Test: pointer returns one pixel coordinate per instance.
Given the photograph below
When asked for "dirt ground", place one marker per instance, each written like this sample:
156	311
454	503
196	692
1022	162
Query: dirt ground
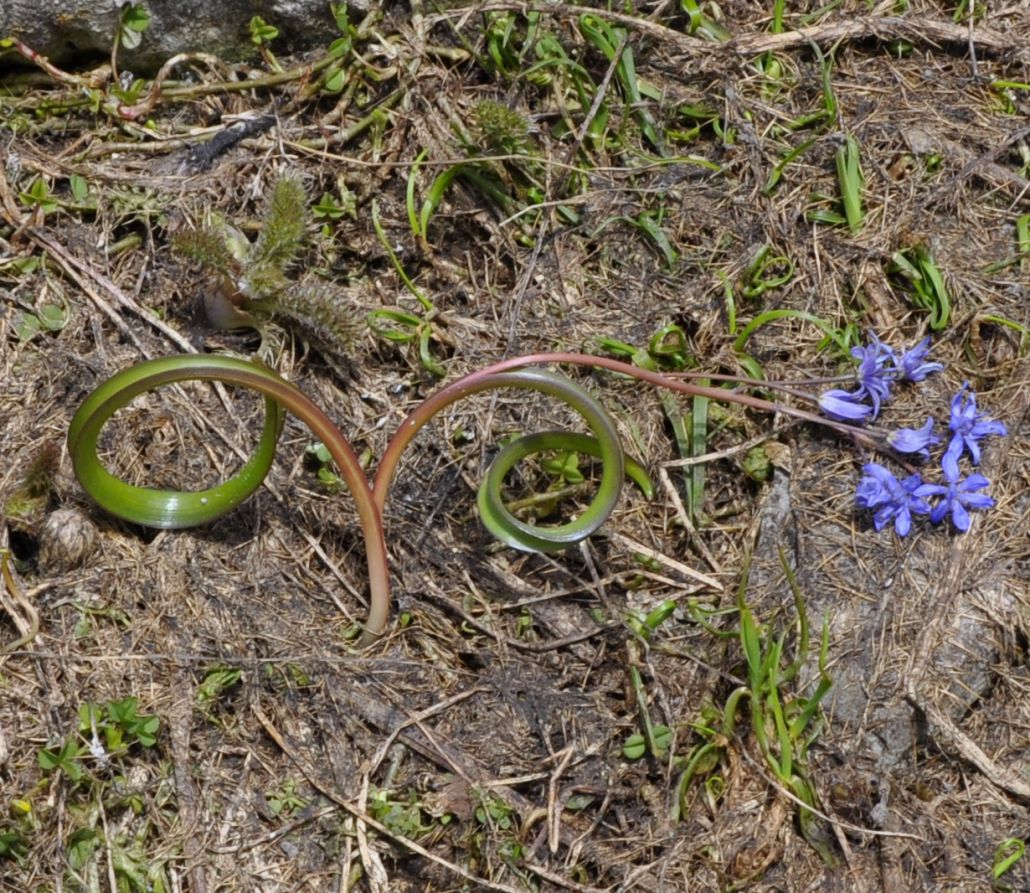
486	741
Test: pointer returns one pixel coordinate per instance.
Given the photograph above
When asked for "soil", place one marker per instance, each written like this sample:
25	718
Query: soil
484	742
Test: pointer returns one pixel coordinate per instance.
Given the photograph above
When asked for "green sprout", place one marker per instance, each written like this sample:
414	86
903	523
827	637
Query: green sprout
916	269
284	800
654	738
1008	853
783	724
404	817
849	175
216	683
319	452
261	35
38	196
105	733
133	22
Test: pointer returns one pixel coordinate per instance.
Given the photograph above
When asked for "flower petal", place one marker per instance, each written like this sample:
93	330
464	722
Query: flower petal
912	367
959	516
977	501
841	405
913	440
975	481
988	427
903	523
949	462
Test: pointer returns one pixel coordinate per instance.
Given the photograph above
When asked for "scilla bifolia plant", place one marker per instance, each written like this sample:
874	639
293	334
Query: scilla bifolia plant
847	411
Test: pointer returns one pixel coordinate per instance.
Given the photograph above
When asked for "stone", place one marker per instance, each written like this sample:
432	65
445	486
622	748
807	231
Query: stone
71	33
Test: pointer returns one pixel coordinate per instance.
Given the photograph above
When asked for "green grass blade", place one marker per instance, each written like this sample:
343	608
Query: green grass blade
835	335
1023	242
397	265
435	195
409	195
777	172
849	173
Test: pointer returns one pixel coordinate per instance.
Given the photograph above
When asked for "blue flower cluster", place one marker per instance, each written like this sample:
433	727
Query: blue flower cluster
877	368
879	490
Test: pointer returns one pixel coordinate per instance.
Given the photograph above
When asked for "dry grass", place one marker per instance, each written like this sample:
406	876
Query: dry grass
500	697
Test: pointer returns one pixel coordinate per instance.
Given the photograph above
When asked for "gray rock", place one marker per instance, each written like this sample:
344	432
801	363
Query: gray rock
71	32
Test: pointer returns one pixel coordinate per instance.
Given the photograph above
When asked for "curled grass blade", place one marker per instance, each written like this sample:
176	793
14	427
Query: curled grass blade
835	335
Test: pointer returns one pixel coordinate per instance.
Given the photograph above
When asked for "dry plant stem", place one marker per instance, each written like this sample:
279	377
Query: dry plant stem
919	29
186	793
29	628
72	263
922	30
94	79
146	105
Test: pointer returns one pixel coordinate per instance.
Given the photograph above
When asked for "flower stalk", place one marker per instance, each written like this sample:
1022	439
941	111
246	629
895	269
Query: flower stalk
880	491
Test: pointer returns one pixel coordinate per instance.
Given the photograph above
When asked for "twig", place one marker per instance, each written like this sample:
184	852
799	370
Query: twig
454	609
27	625
70	260
416	718
273	836
565	883
797	801
921	29
146	105
951	738
186	794
62	259
662	558
553	810
684	518
726	453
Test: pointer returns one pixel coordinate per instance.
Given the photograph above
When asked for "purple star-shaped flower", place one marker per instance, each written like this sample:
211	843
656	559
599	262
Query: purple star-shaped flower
959	497
874	373
968	428
891	499
914	440
911	366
